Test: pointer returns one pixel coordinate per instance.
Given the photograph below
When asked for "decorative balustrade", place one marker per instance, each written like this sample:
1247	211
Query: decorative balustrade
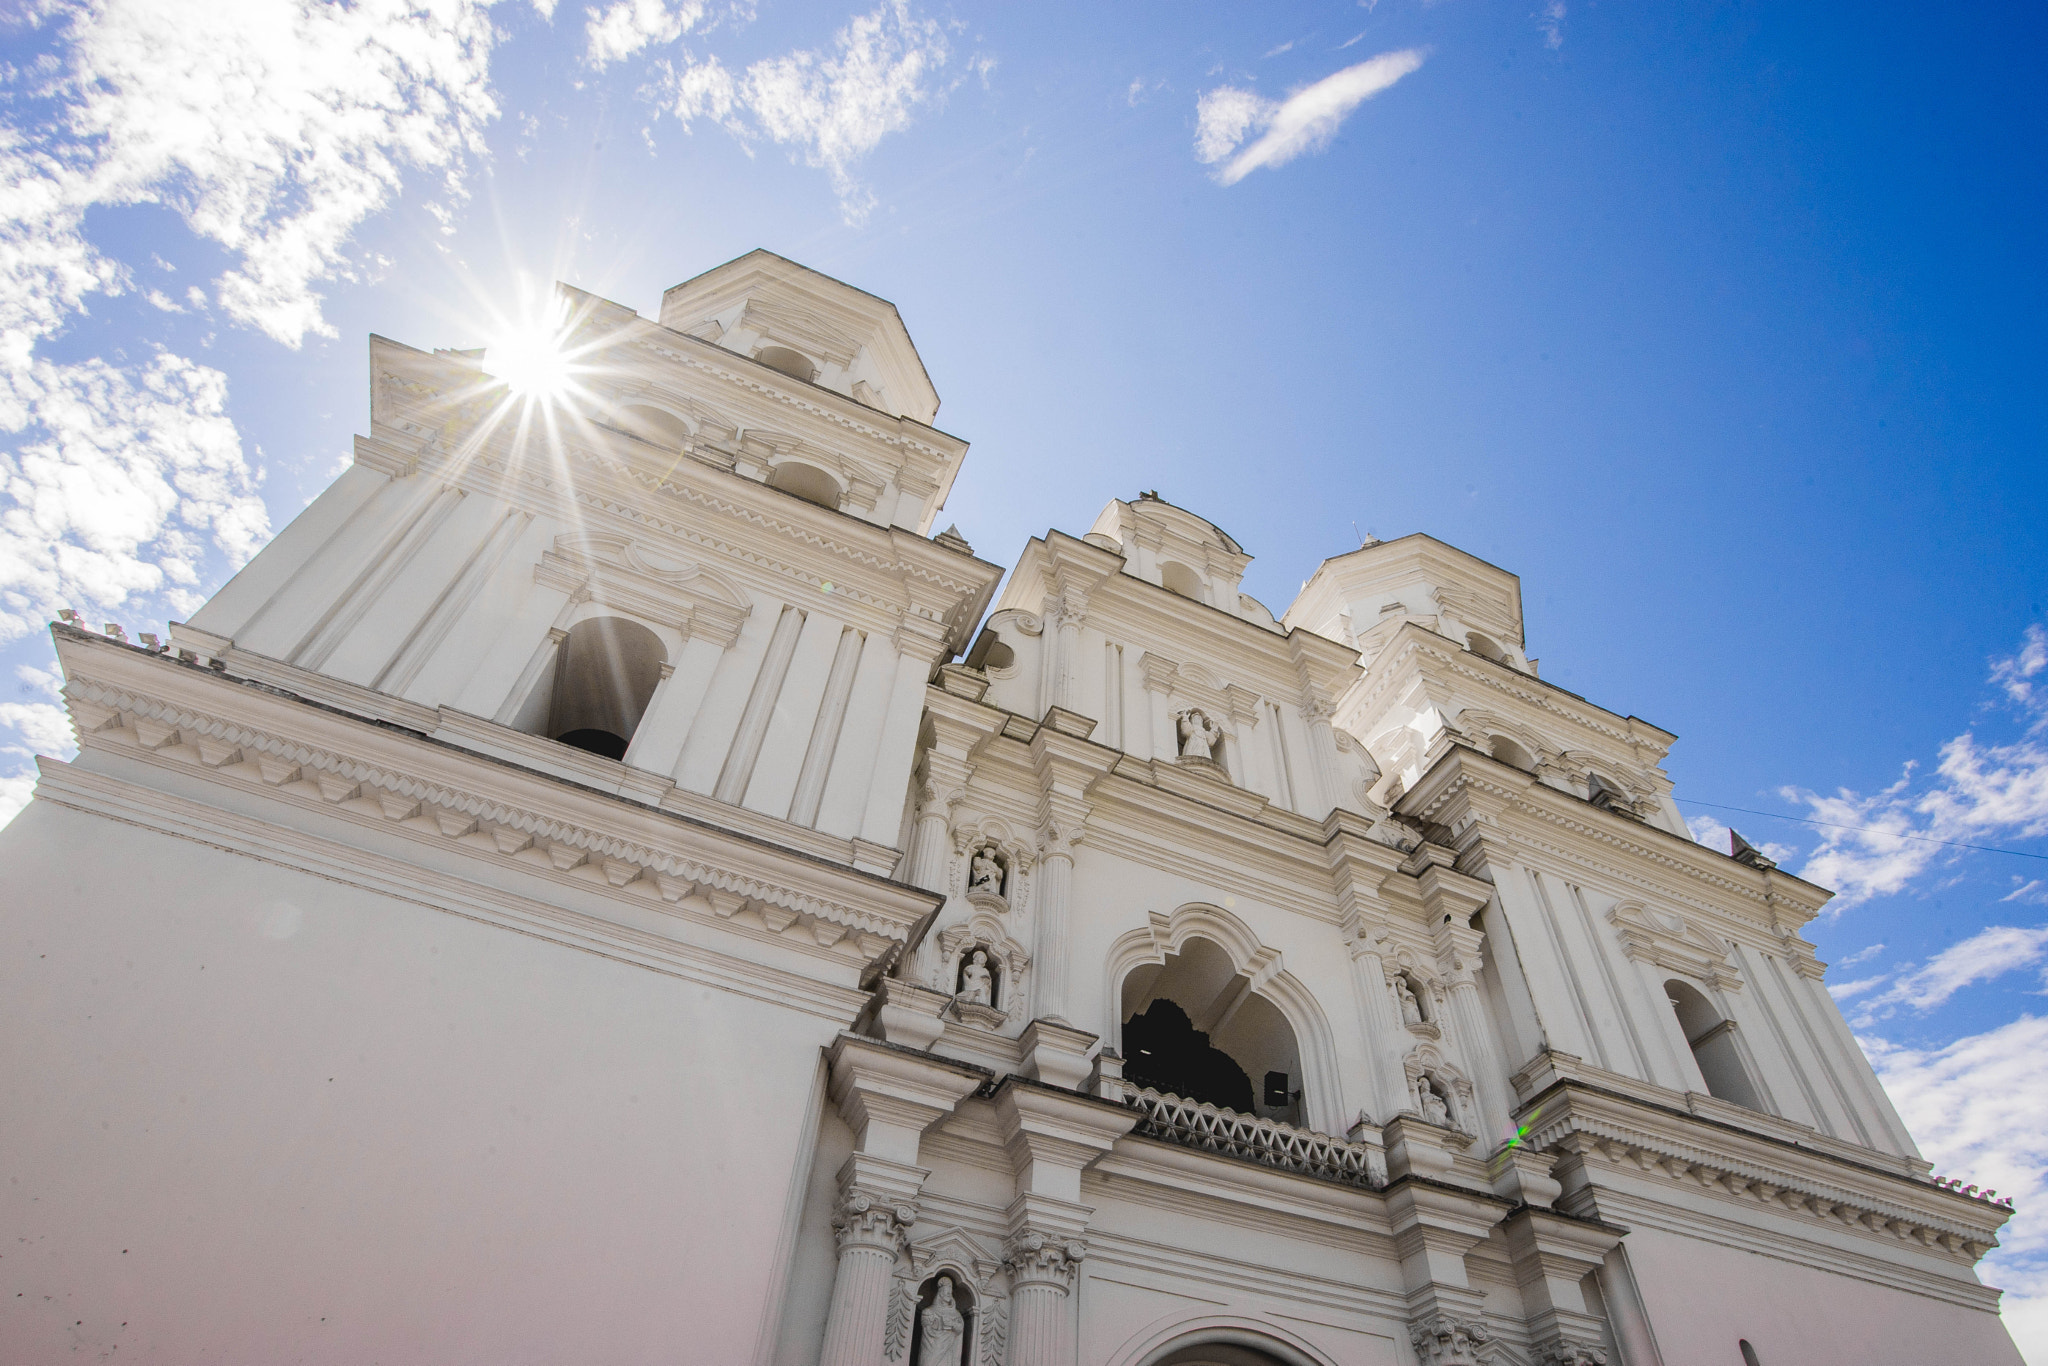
1208	1128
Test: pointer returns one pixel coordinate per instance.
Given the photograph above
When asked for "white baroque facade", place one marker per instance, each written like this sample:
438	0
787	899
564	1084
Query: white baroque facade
562	902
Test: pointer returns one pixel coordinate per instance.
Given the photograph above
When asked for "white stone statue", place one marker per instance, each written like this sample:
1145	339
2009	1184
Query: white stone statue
977	984
1434	1111
1411	1009
941	1323
1198	735
985	873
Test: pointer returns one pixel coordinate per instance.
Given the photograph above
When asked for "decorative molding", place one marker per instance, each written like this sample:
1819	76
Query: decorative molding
1036	1257
1665	940
1446	1340
616	572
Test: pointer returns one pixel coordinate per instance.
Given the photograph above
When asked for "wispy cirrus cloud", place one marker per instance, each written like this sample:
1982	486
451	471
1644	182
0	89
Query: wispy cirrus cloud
1979	792
1986	955
830	107
1303	122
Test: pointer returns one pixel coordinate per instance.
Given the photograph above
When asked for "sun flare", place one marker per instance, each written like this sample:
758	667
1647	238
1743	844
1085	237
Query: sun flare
531	359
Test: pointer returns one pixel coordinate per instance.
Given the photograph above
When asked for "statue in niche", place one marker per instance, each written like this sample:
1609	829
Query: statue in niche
985	872
1198	735
1411	1009
977	983
941	1326
1434	1110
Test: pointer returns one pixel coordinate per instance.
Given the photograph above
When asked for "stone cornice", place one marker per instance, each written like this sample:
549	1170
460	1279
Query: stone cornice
543	917
1595	1129
1393	668
1537	821
228	731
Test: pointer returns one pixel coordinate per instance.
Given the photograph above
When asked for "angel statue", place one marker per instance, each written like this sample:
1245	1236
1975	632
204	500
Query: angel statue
976	983
1198	735
941	1325
985	873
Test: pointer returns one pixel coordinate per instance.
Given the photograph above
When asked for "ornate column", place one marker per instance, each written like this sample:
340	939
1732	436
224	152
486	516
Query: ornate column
1063	619
1051	1138
1322	744
1451	899
888	1097
1049	954
1042	1267
869	1224
1386	1036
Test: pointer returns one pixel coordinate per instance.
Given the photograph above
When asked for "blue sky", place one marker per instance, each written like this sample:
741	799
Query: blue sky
1719	324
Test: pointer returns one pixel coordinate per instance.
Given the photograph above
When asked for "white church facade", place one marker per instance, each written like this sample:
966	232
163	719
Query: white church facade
608	883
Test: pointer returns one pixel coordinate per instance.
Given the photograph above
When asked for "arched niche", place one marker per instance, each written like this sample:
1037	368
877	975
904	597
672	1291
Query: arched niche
1485	646
1182	579
1712	1041
1512	754
790	362
1228	986
606	671
964	1305
808	482
656	426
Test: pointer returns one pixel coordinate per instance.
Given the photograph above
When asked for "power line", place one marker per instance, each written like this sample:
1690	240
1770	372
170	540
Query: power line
1863	829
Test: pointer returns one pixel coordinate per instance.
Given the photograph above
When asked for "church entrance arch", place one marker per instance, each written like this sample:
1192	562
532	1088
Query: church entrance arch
1218	1340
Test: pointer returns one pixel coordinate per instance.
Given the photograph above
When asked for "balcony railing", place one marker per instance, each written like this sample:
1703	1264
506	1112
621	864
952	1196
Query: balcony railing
1268	1142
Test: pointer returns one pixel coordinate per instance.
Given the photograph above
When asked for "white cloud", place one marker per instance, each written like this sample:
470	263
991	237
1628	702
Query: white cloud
2016	675
273	128
128	480
1980	793
1714	835
15	790
830	108
1862	955
1990	953
1978	1108
630	25
1550	22
1304	122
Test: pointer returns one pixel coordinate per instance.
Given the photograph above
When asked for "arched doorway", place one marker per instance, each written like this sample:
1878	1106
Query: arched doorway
1218	1354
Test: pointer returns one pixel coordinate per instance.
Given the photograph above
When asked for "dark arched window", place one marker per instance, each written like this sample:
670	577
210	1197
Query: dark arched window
606	671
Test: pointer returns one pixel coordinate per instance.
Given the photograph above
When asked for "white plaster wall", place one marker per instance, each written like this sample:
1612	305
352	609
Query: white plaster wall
250	1115
1704	1298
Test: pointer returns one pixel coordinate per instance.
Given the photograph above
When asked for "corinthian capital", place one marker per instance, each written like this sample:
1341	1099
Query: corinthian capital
866	1218
1037	1258
1069	609
1442	1340
1565	1352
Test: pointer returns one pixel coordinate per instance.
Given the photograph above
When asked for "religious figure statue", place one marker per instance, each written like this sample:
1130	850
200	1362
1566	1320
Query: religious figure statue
1434	1111
1198	735
1411	1009
977	984
985	873
941	1323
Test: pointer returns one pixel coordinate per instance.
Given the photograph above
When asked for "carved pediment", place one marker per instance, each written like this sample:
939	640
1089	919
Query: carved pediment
1666	939
617	572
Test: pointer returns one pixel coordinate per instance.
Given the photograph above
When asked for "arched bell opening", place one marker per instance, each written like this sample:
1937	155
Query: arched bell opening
1193	1027
1712	1040
606	671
